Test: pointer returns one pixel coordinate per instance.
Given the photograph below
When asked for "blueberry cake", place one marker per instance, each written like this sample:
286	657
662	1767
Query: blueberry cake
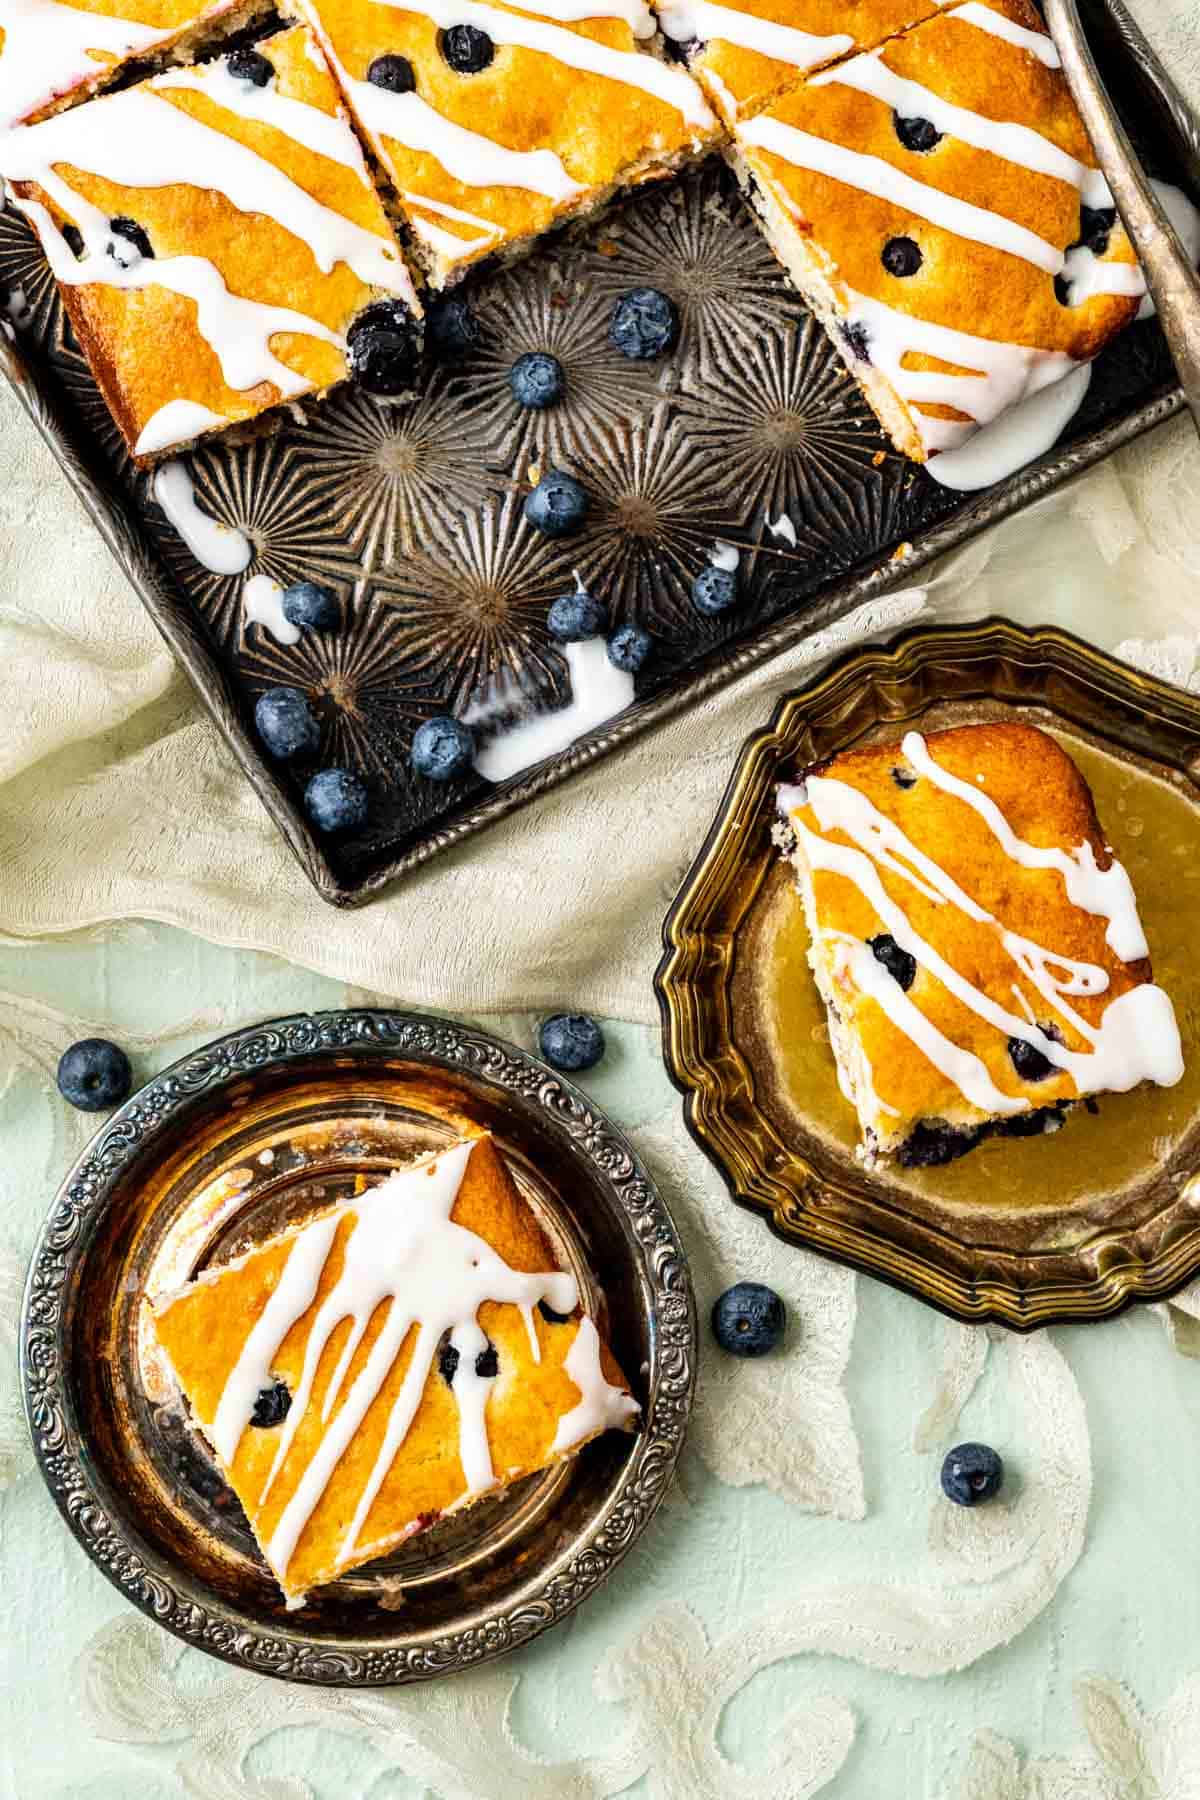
492	125
218	242
937	204
975	942
389	1362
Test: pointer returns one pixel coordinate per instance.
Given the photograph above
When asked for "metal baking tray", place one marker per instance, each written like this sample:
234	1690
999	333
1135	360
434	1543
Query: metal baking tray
414	514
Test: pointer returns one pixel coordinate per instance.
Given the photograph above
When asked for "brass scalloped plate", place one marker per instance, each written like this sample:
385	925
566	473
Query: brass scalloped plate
224	1149
1020	1232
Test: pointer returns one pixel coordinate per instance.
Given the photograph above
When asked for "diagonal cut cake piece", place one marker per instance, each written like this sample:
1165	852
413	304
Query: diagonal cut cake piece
975	941
938	205
389	1362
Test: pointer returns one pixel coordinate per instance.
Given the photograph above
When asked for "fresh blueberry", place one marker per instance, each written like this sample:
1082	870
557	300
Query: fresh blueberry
899	964
1028	1060
971	1473
451	327
250	65
271	1405
94	1075
902	256
467	50
1095	225
335	800
575	616
384	348
748	1319
916	133
537	380
133	235
442	748
73	238
714	590
311	606
904	778
644	324
628	648
286	723
394	73
558	505
857	339
571	1041
551	1317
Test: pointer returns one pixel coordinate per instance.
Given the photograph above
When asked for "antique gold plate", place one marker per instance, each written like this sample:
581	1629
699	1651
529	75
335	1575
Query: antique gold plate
223	1150
1021	1231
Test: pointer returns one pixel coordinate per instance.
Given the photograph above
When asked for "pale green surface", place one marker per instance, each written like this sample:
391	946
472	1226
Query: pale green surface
1130	1609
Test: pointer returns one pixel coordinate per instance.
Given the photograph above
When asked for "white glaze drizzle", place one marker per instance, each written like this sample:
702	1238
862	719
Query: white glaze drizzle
782	527
1037	43
49	49
1023	433
705	20
262	604
724	556
601	1406
177	422
222	548
1186	220
403	1249
599	691
326	134
634	13
448	243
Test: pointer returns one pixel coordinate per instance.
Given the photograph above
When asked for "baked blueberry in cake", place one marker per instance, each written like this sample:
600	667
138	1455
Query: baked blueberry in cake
493	124
389	1362
938	205
218	243
975	941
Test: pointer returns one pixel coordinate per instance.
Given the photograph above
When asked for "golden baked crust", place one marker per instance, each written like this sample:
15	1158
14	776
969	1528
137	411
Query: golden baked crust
831	231
1047	803
145	344
204	1330
481	163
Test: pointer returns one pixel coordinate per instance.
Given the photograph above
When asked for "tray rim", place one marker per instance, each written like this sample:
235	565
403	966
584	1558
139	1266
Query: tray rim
782	1204
133	550
183	1606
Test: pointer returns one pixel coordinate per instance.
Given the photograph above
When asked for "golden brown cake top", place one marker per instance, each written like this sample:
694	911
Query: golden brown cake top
247	237
986	947
946	186
492	122
431	1349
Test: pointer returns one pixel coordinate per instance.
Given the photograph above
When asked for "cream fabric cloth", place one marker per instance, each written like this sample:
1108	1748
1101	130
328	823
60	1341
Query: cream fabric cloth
118	800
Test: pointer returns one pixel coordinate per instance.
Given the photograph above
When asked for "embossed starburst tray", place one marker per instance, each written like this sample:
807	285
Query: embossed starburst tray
414	515
223	1150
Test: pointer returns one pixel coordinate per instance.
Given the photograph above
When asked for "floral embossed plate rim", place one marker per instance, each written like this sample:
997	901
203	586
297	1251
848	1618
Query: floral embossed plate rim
180	1179
989	1238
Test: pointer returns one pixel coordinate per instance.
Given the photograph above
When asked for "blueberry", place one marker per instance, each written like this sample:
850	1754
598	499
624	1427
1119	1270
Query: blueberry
384	348
466	49
311	606
537	380
447	1360
571	1041
971	1473
857	339
932	1144
904	778
134	235
899	964
1062	291
1028	1060
272	1405
94	1075
902	256
628	648
487	1363
644	324
1031	1124
286	723
395	73
1095	225
916	133
73	238
250	65
575	616
748	1319
442	748
335	800
551	1317
451	327
714	590
558	505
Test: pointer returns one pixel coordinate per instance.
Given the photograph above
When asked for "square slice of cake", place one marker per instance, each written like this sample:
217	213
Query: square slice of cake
745	54
975	941
218	242
52	54
492	125
389	1362
937	204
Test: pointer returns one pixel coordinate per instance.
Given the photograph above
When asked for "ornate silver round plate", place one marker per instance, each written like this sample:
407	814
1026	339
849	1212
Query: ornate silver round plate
221	1151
